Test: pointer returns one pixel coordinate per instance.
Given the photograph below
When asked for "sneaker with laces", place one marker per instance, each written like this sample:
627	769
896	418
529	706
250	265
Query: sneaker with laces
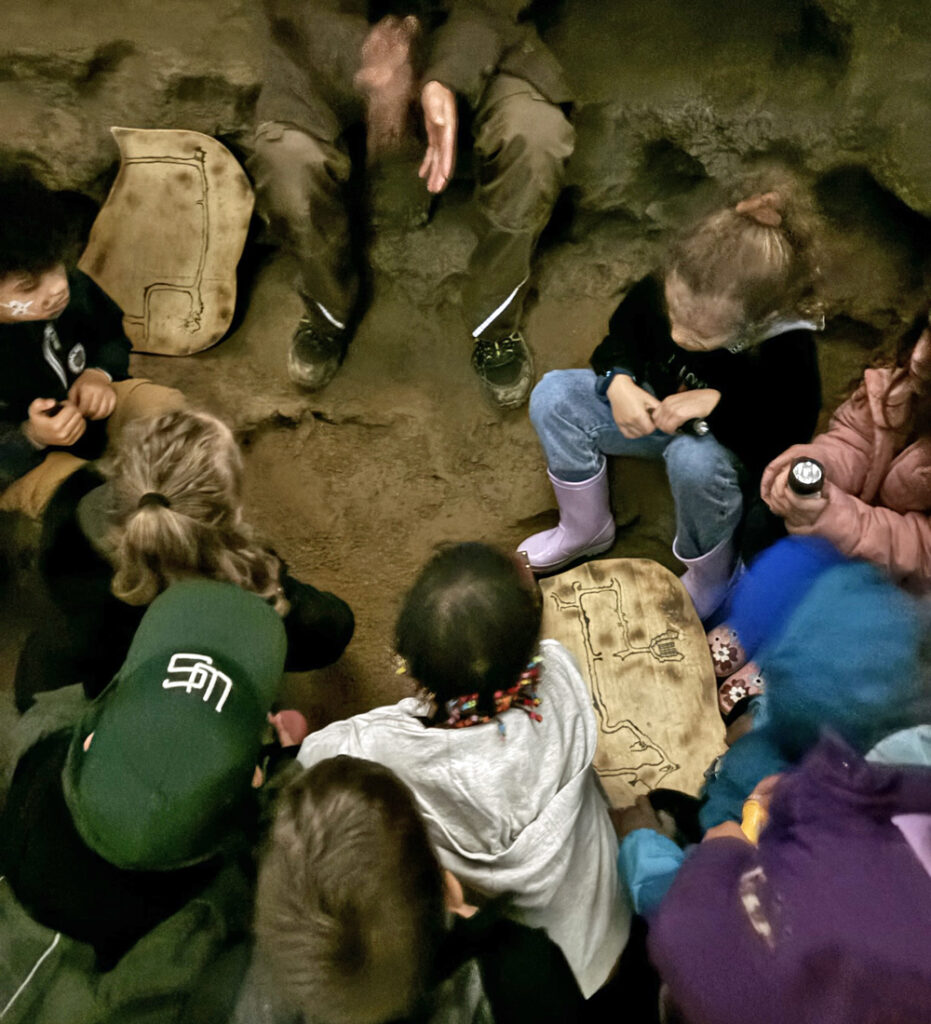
316	354
505	368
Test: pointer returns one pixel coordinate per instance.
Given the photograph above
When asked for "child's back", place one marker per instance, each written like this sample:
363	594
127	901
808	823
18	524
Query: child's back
511	802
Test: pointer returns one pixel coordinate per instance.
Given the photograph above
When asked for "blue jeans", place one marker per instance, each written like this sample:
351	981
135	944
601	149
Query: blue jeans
577	431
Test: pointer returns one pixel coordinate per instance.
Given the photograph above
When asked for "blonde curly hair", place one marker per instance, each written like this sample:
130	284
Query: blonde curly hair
175	507
761	252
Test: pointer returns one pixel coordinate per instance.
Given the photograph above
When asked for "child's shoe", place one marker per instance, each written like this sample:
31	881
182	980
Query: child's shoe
743	684
727	652
316	354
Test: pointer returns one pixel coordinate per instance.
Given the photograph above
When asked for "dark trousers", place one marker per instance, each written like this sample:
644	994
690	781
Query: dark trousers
521	142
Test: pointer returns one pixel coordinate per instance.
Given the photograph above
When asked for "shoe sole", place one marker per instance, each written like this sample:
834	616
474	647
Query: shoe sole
577	559
297	374
521	389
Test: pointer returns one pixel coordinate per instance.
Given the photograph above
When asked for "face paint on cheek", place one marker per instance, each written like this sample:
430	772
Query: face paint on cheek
18	308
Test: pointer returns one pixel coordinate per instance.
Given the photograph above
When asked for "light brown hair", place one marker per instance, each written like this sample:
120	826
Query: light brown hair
349	909
189	461
759	252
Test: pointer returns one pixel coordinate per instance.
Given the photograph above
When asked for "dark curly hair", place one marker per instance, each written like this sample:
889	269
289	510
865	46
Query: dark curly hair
37	228
469	624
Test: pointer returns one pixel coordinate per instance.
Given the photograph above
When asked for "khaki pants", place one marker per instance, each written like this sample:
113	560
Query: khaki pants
135	398
522	144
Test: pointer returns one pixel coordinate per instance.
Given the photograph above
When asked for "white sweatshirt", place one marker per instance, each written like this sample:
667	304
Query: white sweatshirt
520	813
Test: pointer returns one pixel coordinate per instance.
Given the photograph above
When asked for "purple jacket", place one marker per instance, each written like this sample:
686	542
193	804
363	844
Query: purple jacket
828	920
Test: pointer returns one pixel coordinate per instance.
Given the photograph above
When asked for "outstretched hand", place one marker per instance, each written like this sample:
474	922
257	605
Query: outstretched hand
441	122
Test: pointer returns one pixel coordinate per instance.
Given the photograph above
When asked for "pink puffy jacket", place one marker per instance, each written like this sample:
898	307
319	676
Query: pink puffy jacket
879	489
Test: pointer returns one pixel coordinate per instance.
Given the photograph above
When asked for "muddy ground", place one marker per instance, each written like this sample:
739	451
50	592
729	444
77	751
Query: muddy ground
356	485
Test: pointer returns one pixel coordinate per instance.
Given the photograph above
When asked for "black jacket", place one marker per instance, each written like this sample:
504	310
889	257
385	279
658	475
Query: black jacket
63	883
770	394
43	358
87	641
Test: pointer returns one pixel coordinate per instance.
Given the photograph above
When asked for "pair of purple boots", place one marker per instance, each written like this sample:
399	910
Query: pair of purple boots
586	528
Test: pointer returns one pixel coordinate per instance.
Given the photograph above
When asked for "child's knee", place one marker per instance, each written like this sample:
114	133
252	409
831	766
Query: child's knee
551	397
694	465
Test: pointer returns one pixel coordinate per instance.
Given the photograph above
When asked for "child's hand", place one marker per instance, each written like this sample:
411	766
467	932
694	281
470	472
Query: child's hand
93	394
677	409
631	407
778	468
62	429
726	830
640	815
799	511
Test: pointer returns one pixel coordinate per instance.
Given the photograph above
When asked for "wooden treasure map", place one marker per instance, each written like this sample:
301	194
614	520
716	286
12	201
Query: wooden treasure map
166	243
642	649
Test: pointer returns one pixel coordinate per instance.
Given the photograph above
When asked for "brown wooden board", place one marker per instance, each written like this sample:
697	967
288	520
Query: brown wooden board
642	649
166	243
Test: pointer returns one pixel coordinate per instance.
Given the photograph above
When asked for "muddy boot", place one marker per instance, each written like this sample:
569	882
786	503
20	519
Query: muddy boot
586	525
316	353
709	577
505	368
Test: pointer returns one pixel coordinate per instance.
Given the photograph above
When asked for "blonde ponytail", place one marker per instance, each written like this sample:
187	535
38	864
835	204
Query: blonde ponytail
176	484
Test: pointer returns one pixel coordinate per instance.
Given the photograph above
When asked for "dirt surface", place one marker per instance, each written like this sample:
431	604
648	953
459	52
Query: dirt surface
355	486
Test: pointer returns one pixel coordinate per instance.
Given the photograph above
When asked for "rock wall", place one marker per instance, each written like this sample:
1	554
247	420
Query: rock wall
678	100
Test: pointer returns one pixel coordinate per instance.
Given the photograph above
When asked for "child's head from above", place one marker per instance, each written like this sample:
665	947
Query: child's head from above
36	238
176	506
159	771
469	624
735	273
350	904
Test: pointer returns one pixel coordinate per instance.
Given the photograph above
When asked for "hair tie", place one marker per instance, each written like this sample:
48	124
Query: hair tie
153	498
763	208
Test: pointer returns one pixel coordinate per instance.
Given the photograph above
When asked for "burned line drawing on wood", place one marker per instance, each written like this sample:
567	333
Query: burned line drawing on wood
635	757
193	286
166	243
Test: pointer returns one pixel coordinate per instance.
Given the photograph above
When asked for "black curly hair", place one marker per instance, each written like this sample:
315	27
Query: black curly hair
469	624
37	229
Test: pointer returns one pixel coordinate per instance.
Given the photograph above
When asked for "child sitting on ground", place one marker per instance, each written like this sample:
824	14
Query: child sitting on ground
146	807
64	387
826	919
844	658
353	918
167	506
498	751
711	366
876	497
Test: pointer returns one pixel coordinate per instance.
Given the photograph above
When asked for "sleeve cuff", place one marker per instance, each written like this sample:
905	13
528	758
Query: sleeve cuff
648	863
604	381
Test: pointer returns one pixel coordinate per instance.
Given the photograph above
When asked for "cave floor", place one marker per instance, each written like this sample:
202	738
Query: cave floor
354	486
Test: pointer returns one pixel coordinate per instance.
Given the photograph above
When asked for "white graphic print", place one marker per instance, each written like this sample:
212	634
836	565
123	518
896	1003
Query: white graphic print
77	359
51	346
17	307
196	672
